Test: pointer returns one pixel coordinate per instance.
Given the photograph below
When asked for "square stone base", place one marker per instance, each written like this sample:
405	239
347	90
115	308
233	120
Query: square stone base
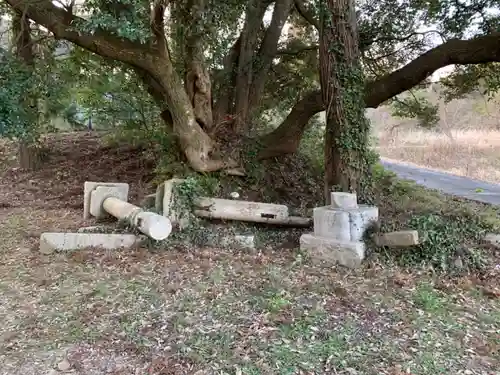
328	252
345	225
90	186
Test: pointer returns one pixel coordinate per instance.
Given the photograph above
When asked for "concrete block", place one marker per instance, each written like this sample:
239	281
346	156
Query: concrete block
50	242
360	219
493	239
327	251
165	199
402	238
89	186
347	201
100	193
332	223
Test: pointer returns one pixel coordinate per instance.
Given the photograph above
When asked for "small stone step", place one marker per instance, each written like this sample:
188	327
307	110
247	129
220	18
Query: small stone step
401	238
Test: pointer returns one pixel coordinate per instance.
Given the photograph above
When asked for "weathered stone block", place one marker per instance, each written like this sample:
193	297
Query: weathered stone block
241	210
328	252
346	201
90	186
50	242
398	239
165	200
332	223
493	239
343	225
100	193
360	219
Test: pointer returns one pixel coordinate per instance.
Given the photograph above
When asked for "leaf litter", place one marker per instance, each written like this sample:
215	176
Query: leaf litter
213	311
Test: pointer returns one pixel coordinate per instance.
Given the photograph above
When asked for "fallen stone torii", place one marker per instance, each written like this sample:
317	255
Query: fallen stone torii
103	199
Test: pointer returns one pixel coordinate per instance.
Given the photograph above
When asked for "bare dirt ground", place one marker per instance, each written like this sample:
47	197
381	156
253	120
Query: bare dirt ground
210	311
465	142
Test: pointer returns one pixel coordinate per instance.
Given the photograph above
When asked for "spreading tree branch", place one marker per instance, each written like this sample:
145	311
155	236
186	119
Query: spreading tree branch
158	25
268	48
62	24
306	13
297	50
479	50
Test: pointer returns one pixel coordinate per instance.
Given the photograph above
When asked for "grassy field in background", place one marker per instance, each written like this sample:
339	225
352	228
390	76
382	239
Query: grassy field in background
465	142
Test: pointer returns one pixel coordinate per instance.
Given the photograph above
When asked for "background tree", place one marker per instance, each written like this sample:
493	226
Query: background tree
212	76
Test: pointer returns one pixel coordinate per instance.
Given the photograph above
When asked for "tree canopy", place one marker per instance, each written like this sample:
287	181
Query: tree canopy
214	68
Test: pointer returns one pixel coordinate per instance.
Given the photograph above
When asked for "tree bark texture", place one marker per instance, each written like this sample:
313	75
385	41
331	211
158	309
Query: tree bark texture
347	129
28	154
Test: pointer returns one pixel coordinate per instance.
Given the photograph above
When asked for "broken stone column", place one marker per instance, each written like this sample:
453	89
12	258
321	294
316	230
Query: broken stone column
165	202
110	199
338	231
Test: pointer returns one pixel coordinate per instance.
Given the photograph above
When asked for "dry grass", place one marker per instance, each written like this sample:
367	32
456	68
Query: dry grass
207	311
466	141
211	311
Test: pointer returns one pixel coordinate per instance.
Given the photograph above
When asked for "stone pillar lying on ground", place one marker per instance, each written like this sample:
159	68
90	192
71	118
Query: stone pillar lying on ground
257	212
102	199
338	231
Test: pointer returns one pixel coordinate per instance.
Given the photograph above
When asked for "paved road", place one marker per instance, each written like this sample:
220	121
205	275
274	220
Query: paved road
456	185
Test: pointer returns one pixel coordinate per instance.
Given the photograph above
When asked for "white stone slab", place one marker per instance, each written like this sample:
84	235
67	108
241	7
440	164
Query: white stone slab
100	193
50	242
332	223
241	210
89	186
346	201
360	219
328	252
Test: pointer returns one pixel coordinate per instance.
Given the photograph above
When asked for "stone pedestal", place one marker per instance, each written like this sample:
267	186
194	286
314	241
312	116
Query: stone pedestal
338	231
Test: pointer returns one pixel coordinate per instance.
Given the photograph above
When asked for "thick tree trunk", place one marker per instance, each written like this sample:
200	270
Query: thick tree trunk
224	106
194	141
286	138
268	50
197	81
342	83
29	156
249	37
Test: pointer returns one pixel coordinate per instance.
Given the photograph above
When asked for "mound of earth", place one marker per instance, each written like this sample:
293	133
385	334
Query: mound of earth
74	158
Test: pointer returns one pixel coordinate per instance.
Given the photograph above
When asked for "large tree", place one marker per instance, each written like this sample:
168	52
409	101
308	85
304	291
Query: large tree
342	83
212	65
